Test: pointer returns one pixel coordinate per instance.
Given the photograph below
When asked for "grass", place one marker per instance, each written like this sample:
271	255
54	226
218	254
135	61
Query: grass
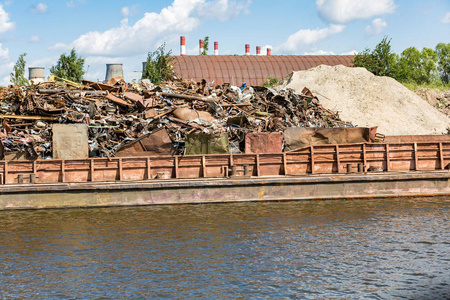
415	86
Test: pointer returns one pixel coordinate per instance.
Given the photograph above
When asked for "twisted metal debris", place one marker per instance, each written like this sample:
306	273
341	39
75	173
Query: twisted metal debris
117	113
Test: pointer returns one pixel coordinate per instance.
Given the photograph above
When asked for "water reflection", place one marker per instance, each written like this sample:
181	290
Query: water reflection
314	250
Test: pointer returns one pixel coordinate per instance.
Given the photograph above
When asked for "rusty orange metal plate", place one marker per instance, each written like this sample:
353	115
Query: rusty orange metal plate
267	142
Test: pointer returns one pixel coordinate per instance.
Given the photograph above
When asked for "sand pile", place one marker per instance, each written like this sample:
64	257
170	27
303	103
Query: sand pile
368	100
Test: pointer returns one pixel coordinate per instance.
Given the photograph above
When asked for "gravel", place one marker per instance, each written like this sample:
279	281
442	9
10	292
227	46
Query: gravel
368	100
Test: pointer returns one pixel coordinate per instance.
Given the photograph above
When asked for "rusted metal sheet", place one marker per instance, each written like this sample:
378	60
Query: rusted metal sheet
267	142
315	159
207	144
298	137
133	96
417	138
100	86
146	103
252	70
155	143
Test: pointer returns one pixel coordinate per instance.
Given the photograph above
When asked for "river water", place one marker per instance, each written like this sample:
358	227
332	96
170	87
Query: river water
371	249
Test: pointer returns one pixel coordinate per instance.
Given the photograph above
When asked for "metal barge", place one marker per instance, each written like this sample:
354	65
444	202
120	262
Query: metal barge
399	167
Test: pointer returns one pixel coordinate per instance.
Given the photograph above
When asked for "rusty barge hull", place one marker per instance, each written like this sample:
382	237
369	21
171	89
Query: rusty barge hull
342	171
316	187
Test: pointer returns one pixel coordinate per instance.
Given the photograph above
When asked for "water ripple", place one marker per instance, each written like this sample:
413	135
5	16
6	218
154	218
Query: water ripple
376	249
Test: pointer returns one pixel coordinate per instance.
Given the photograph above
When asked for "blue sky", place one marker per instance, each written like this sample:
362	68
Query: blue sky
125	31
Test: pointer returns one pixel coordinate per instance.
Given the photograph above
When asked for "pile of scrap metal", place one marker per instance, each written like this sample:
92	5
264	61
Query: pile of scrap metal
174	117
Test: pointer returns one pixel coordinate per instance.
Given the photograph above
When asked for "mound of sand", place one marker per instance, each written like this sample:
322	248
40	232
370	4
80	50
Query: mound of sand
368	100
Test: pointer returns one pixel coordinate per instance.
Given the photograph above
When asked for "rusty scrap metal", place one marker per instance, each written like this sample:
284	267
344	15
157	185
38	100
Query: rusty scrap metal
118	113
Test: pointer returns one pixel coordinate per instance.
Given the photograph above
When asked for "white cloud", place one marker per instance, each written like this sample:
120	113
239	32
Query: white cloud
5	25
446	19
193	50
264	49
6	64
344	11
125	12
4	54
353	52
103	60
178	19
221	9
59	46
34	39
129	11
45	62
40	8
305	37
75	3
319	52
376	27
323	52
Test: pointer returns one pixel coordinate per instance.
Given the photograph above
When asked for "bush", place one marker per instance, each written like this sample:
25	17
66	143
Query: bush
381	61
443	53
70	67
17	76
270	82
205	46
158	67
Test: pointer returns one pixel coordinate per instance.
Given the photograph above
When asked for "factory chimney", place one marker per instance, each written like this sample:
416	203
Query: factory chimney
216	48
247	49
182	46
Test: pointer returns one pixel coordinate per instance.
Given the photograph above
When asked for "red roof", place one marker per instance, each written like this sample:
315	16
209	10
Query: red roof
250	69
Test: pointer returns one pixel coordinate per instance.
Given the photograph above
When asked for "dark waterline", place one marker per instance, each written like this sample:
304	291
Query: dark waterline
376	249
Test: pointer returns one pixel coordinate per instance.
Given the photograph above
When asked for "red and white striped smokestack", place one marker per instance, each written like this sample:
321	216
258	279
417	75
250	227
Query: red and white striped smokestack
269	51
201	47
216	48
182	46
247	49
258	50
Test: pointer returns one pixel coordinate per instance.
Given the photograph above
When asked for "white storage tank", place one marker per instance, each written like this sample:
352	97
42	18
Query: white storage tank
113	70
36	74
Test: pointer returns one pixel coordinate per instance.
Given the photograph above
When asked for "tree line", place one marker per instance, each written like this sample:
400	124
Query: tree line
71	67
426	67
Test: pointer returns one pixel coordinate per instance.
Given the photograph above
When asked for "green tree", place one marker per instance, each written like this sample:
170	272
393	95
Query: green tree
409	65
17	76
387	60
205	46
428	67
443	53
158	67
381	61
412	66
70	67
367	60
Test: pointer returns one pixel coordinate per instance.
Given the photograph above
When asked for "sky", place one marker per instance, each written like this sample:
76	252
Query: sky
124	32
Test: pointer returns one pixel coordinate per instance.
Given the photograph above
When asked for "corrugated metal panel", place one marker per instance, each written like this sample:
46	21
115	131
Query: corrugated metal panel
250	68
